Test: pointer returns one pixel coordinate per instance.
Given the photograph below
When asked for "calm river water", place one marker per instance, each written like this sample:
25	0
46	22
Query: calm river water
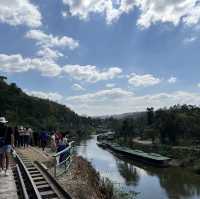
150	182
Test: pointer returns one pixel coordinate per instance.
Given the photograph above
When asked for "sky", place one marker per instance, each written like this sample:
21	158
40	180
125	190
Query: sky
103	57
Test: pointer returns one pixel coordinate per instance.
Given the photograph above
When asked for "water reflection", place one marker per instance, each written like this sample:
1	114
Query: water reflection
128	172
151	182
179	184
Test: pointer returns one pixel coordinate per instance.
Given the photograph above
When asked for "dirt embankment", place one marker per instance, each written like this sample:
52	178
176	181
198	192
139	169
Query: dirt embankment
82	181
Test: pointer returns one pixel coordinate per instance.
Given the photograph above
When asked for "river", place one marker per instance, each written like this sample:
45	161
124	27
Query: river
149	182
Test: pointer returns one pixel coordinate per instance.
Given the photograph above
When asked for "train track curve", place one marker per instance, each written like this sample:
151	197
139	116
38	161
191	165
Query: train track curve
34	182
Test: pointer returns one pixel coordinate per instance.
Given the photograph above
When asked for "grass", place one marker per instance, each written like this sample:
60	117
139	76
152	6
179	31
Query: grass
113	192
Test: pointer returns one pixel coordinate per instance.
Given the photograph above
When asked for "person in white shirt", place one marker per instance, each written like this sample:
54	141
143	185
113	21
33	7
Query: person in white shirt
65	141
21	135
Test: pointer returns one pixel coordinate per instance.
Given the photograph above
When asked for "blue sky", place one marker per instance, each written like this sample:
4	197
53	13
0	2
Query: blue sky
103	56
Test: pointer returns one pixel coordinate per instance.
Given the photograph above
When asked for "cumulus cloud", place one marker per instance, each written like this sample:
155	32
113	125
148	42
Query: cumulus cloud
17	63
54	96
14	63
47	66
103	95
110	8
172	80
91	73
19	12
116	101
173	11
151	11
77	87
48	40
49	53
143	80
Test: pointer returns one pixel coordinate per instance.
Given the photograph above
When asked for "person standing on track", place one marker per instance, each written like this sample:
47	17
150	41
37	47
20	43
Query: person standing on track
30	136
21	135
6	143
53	142
17	138
44	138
27	135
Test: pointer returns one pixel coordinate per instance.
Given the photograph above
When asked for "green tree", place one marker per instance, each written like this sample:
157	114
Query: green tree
150	116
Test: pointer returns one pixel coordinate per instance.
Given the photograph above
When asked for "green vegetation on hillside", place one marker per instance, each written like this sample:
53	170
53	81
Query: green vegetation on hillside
177	125
22	109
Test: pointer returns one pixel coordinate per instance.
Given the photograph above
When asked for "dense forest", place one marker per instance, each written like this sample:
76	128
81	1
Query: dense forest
177	125
22	109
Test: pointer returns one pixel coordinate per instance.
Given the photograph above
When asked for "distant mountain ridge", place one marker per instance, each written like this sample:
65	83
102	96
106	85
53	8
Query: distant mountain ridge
123	115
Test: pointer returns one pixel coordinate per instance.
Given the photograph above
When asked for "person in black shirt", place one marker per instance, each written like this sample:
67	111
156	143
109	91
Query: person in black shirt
6	143
17	139
2	142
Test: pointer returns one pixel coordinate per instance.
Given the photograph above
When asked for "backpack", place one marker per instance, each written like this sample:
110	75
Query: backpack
3	139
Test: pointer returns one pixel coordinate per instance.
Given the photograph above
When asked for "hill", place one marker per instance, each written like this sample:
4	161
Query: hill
123	115
22	109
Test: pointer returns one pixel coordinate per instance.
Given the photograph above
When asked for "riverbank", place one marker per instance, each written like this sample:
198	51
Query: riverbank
182	156
82	181
148	181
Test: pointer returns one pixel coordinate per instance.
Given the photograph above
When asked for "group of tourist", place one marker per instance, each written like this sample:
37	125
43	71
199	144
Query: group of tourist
24	137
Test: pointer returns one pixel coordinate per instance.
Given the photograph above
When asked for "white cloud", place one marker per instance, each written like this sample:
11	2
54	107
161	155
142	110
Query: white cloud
172	80
189	40
110	85
19	12
173	11
49	53
48	40
16	63
103	95
151	11
116	101
110	8
64	14
47	66
91	73
143	80
198	85
54	96
77	87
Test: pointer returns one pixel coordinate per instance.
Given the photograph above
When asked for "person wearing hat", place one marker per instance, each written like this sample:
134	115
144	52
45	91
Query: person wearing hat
6	143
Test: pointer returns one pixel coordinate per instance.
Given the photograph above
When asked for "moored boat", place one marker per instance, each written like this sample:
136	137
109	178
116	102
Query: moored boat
150	158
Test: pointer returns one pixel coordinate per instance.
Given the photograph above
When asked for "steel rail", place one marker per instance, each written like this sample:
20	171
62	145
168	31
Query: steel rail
35	190
22	183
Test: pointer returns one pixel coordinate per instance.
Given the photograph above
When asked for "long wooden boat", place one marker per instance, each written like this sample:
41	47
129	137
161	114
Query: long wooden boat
150	158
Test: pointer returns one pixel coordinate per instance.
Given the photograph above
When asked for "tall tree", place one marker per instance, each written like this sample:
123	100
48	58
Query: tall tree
150	116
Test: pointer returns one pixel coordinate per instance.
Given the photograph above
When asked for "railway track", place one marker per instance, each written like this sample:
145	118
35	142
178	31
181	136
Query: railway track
34	182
